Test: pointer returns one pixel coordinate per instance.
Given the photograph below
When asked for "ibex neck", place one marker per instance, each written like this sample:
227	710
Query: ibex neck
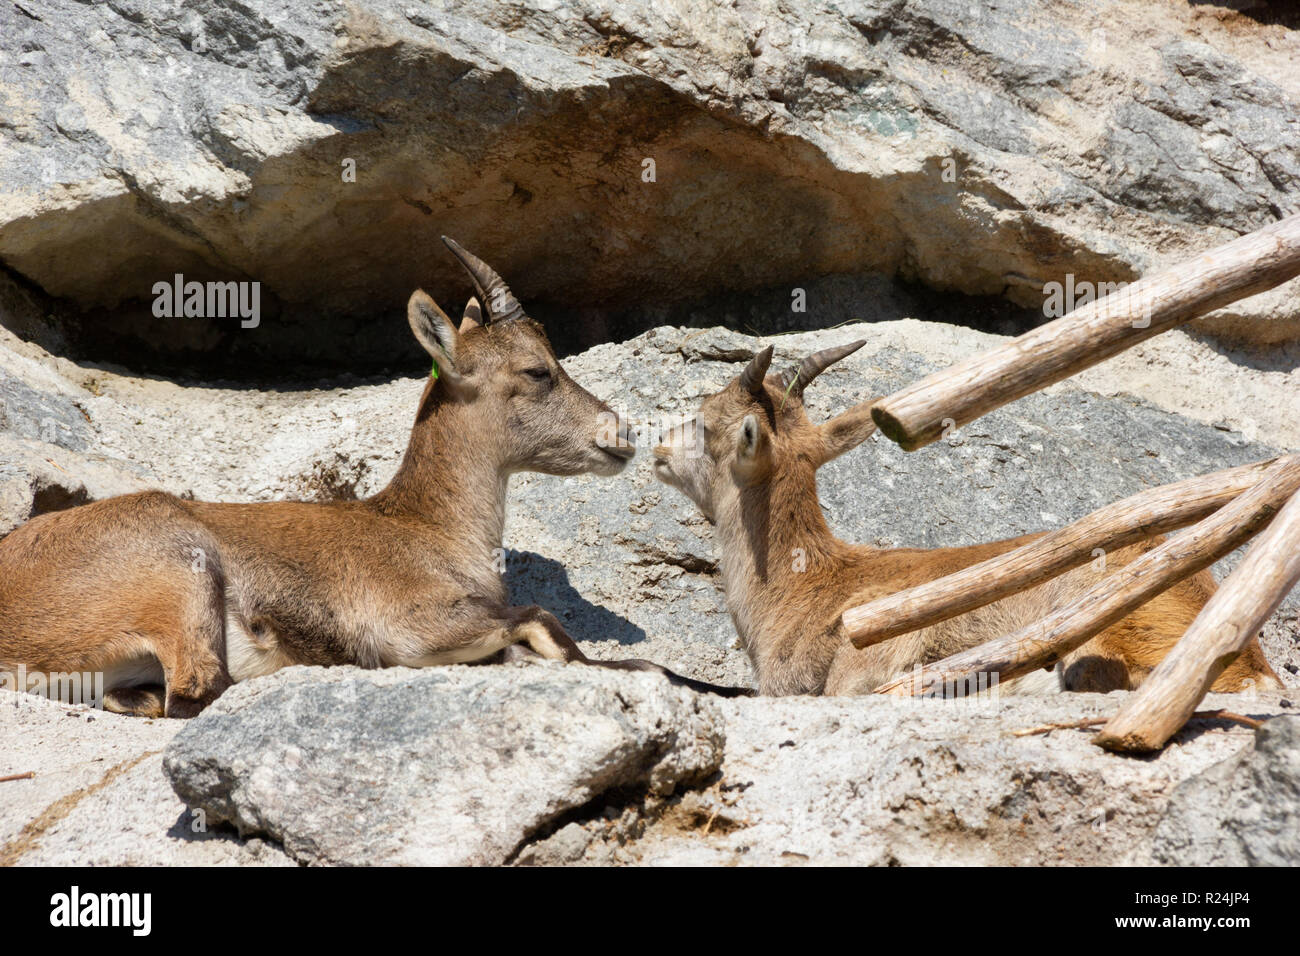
771	539
453	475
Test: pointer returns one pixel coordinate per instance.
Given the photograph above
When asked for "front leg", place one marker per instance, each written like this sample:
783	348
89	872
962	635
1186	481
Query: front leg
541	634
517	633
481	634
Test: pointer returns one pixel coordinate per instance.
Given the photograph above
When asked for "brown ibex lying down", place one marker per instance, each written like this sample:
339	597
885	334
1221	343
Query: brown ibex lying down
173	600
749	460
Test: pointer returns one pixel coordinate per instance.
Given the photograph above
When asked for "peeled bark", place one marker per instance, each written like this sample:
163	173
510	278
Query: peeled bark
1136	518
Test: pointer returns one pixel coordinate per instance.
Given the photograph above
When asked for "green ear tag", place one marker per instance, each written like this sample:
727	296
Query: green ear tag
434	373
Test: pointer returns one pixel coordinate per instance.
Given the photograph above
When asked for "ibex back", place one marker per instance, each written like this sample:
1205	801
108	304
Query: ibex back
172	600
749	460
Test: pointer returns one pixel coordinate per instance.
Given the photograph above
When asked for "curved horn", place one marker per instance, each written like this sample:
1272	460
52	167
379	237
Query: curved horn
751	379
499	303
797	379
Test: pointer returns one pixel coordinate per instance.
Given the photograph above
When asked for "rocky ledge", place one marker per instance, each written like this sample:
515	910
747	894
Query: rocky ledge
546	764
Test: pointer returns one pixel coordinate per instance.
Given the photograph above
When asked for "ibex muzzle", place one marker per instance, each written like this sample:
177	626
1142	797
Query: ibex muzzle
172	600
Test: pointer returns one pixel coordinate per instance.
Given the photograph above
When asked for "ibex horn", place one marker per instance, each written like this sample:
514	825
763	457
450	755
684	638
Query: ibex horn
499	303
751	378
797	379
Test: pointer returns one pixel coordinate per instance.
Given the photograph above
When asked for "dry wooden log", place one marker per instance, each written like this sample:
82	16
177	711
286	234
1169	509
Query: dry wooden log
1220	632
924	411
1045	642
1087	722
1136	518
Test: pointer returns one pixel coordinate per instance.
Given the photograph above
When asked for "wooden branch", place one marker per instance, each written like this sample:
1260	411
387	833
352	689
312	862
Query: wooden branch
1220	632
1144	515
1227	715
18	776
1046	641
922	412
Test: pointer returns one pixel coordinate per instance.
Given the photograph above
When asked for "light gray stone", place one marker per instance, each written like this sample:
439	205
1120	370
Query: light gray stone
449	766
1244	811
883	782
98	796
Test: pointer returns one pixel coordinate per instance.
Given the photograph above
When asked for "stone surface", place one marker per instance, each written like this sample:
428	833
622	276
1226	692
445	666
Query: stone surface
1244	811
449	766
799	780
976	147
99	796
870	781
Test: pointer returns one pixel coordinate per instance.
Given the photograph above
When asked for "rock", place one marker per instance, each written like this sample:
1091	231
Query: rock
1244	811
609	159
868	781
99	796
449	766
36	477
47	461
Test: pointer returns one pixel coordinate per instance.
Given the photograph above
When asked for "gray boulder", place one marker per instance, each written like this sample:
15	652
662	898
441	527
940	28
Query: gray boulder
450	766
48	454
1244	811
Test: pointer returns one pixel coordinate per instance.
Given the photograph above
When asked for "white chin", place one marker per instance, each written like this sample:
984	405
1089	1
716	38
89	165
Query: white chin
607	465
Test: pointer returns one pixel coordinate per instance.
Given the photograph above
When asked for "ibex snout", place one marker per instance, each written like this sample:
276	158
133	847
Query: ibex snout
624	445
615	440
681	461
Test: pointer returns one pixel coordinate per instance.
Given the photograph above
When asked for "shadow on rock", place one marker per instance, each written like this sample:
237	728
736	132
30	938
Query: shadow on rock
534	579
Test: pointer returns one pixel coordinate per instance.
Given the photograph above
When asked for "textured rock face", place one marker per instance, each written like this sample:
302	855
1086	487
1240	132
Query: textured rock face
1244	811
48	458
443	767
875	782
546	764
981	148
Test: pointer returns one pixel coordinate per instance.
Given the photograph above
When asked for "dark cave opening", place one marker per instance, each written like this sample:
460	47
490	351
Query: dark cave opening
291	347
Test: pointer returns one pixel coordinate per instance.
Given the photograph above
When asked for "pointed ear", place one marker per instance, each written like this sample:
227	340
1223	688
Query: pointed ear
846	431
750	441
473	317
434	331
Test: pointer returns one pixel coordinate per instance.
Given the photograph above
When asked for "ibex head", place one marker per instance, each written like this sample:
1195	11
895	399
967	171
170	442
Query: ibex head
500	365
756	428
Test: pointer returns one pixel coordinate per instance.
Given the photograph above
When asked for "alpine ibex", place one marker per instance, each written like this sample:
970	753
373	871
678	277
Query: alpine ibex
749	460
173	600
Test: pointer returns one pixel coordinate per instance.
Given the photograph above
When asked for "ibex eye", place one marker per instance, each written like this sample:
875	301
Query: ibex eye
541	374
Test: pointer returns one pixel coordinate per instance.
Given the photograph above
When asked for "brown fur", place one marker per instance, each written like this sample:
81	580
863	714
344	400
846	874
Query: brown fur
750	461
152	589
